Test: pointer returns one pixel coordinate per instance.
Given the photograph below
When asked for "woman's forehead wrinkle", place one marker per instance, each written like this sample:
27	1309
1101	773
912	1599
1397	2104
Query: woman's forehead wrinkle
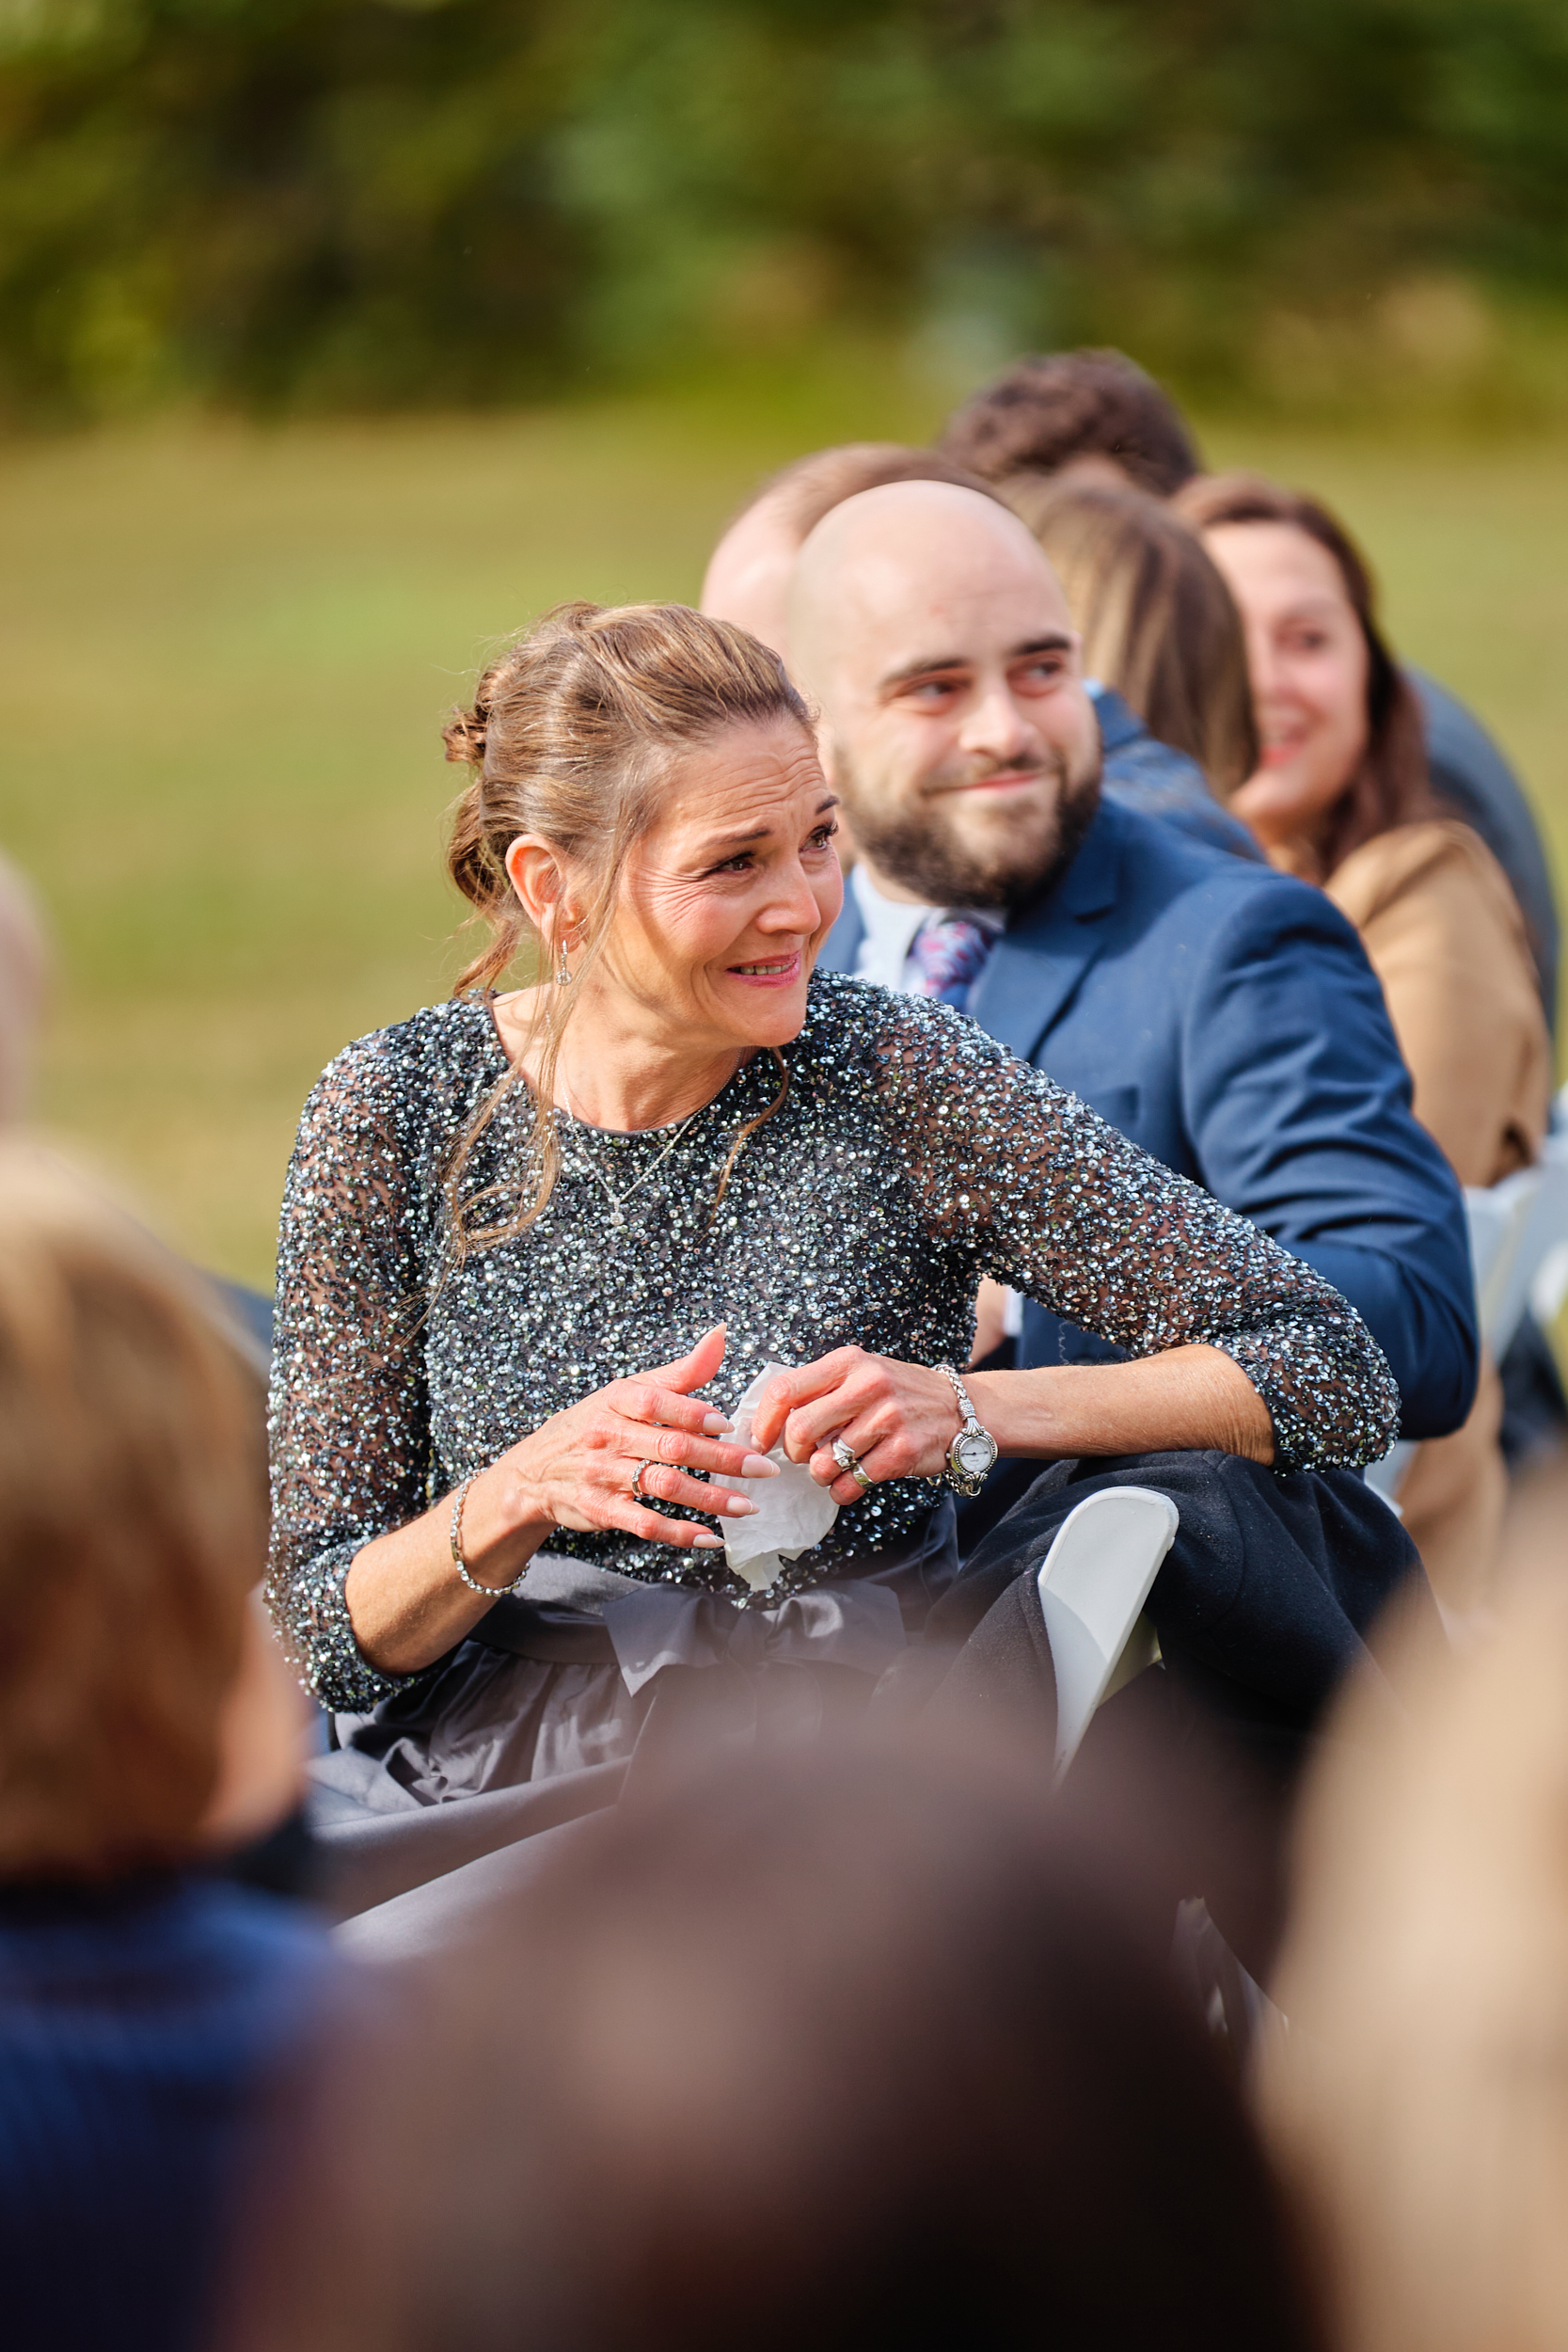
724	808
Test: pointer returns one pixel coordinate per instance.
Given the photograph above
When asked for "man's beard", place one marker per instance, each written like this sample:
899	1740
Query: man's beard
920	849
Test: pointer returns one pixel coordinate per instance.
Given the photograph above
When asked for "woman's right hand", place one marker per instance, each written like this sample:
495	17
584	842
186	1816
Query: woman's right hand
576	1468
405	1602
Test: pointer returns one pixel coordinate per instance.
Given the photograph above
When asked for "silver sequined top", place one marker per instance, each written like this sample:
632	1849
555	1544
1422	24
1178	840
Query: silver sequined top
911	1155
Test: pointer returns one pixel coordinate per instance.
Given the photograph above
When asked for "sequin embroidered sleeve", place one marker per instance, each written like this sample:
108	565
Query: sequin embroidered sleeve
349	1422
1052	1200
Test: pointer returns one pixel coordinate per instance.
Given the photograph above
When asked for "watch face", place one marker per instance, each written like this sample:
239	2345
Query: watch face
975	1452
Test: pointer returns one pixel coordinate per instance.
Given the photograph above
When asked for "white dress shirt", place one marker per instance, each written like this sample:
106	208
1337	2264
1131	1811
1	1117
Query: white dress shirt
891	925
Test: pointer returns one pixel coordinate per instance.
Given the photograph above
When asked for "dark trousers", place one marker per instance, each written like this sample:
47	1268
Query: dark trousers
1266	1600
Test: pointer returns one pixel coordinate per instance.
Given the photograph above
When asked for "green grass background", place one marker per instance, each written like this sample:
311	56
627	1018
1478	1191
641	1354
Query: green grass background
229	653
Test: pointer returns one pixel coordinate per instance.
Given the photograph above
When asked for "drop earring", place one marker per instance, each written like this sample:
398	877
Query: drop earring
562	970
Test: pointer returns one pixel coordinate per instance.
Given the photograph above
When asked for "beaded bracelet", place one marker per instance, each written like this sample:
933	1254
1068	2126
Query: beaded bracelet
491	1592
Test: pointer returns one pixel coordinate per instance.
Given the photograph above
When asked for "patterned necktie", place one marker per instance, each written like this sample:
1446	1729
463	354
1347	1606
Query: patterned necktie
949	952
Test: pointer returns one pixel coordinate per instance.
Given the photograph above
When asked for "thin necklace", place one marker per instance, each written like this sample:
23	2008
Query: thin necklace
618	1199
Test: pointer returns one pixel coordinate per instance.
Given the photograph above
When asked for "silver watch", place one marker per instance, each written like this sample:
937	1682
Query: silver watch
973	1454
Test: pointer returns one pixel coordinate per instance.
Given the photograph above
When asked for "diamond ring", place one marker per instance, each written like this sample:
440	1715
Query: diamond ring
637	1493
849	1462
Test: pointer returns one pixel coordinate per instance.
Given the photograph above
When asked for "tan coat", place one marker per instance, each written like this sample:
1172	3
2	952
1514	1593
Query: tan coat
1445	936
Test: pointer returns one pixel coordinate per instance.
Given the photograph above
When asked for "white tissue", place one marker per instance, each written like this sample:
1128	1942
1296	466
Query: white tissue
793	1512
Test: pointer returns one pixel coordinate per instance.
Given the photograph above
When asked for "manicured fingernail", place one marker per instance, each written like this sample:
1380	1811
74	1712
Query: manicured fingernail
757	1466
706	1542
717	1426
737	1506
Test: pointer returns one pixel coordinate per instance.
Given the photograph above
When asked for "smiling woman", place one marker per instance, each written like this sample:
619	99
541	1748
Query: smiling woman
1341	796
523	1232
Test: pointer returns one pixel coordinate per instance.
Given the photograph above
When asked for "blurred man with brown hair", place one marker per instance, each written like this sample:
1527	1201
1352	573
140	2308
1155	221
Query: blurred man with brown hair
1085	416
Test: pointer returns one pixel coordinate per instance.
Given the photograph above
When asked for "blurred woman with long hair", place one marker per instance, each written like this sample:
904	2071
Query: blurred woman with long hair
1340	796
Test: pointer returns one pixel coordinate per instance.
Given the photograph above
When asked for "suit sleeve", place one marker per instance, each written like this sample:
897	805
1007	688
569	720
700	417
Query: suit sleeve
1298	1107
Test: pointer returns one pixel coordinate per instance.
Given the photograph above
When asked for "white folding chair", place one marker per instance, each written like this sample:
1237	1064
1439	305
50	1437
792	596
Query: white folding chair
1549	1289
1093	1584
1519	1259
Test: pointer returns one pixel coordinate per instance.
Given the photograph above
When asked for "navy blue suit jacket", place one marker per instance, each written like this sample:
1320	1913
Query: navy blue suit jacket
1225	1017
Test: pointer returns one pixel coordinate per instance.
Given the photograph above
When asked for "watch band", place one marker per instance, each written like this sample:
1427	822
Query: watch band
967	1478
965	1407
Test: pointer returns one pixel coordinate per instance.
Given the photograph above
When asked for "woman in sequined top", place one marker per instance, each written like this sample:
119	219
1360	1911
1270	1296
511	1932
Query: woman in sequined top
536	1244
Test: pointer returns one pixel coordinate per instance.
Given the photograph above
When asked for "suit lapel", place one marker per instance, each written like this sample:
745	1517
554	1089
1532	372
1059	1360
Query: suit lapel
1044	952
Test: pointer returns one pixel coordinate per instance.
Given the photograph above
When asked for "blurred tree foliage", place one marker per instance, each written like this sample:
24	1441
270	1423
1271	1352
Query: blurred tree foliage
291	203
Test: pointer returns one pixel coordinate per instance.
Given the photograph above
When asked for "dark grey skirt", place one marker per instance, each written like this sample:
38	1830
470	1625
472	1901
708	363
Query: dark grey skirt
454	1789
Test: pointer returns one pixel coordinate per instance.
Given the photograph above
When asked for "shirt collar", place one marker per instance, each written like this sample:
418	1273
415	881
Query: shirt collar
889	926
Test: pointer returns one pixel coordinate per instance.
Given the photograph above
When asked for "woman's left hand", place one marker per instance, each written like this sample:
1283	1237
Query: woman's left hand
897	1419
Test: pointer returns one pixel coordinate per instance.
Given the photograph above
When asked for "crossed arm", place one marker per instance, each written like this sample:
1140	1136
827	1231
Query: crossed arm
408	1606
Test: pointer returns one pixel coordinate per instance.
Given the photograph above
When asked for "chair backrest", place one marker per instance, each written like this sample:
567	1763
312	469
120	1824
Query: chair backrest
1093	1584
1548	1290
1519	1255
1503	1221
1515	1229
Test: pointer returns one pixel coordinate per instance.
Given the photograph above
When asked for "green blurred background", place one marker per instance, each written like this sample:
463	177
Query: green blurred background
337	337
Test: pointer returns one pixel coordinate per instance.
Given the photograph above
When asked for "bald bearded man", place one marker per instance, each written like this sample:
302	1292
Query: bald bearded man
748	582
1221	1014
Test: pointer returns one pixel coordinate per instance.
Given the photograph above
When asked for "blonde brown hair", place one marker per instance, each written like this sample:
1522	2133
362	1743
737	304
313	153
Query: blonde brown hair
133	1521
572	732
1391	787
1157	622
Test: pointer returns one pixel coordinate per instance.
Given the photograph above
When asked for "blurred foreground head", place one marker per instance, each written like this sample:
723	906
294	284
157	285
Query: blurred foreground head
133	1521
848	2049
1420	2099
24	973
748	574
1093	416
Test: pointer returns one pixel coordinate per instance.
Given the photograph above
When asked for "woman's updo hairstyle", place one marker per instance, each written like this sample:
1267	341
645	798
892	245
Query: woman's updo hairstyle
571	736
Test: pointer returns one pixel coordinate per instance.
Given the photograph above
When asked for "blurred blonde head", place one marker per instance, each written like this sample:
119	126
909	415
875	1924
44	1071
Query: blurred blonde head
1420	2096
133	1521
1158	622
24	971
